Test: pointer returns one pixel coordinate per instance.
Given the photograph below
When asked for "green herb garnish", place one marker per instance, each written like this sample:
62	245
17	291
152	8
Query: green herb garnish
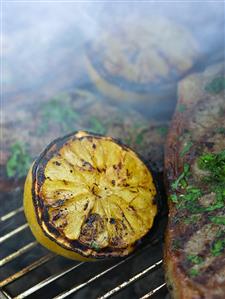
192	194
182	176
95	246
174	198
216	85
186	148
176	244
218	219
162	131
215	164
193	272
192	218
96	126
218	247
220	130
218	205
195	259
140	137
127	140
19	161
59	111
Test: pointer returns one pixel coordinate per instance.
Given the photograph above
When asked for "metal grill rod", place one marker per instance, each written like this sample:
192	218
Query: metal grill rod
80	286
13	232
27	269
76	288
57	276
11	214
52	278
46	282
18	253
4	295
131	280
153	291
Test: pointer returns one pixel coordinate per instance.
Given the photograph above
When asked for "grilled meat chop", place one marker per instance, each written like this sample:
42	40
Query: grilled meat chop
194	253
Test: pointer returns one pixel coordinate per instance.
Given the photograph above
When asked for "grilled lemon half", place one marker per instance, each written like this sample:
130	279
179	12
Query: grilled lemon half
88	197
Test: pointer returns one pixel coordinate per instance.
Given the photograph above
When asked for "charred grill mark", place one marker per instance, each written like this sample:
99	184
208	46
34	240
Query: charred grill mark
86	205
87	165
126	185
92	218
53	230
93	226
40	179
81	247
129	224
57	216
115	241
207	273
40	203
112	221
45	214
58	203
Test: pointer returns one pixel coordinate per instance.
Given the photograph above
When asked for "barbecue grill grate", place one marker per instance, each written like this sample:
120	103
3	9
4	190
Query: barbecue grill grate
18	277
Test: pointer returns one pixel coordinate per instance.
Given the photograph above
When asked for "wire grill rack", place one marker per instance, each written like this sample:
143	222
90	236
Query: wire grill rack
27	270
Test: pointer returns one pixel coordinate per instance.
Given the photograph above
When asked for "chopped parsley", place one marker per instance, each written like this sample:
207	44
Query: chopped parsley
95	246
220	130
127	140
218	219
216	85
217	205
174	198
59	112
162	131
176	244
192	193
96	126
186	148
183	175
140	137
192	218
218	247
193	272
215	164
19	160
195	259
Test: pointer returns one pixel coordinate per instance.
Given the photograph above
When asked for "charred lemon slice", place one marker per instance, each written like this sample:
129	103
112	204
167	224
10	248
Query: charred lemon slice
147	68
88	196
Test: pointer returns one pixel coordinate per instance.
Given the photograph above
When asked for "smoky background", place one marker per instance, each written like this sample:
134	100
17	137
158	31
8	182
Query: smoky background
44	43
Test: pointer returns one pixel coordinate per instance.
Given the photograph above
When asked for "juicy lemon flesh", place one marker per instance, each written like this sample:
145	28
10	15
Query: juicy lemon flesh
37	231
98	193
